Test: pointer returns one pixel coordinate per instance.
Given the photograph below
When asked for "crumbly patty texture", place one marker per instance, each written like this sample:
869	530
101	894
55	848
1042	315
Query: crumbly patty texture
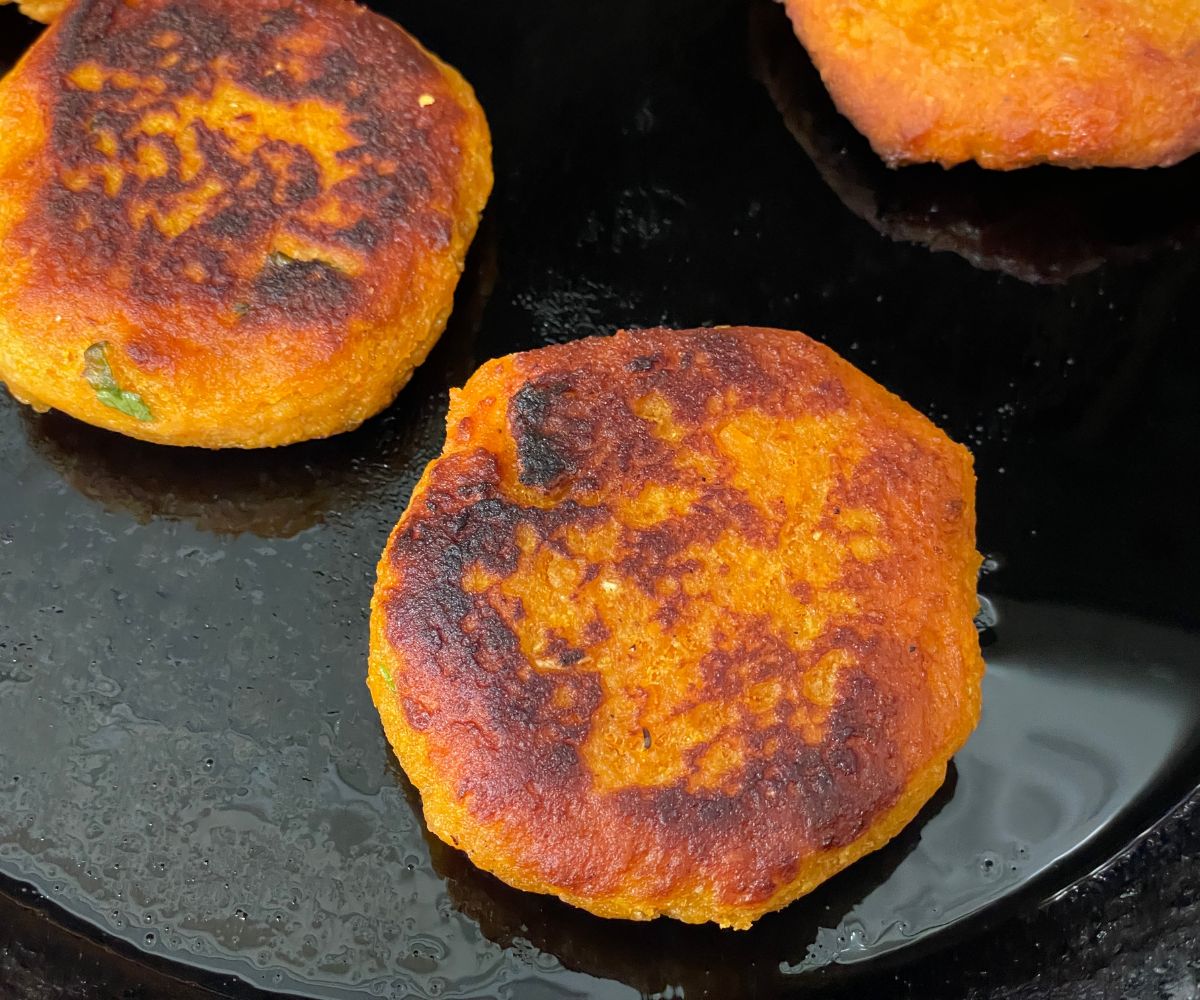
228	223
1009	83
680	622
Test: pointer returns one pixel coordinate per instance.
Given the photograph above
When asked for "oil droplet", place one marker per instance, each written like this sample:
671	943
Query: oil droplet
990	865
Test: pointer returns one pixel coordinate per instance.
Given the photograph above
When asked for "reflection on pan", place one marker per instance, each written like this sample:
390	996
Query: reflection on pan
1042	225
280	492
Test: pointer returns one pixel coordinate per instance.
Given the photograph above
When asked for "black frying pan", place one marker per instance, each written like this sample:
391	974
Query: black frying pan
196	799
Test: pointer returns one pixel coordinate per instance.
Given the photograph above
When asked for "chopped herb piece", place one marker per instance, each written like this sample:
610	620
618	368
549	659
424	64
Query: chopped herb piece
99	375
277	258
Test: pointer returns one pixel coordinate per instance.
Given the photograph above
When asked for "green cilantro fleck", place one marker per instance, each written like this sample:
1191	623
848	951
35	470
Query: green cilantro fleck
277	258
99	375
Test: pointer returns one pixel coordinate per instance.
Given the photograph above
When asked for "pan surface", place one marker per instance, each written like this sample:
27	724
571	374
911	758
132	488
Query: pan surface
196	798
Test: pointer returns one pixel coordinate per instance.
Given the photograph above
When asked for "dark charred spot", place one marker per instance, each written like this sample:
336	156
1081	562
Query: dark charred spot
562	652
596	632
299	181
363	235
302	289
340	73
728	356
757	654
541	458
654	553
232	223
541	464
675	808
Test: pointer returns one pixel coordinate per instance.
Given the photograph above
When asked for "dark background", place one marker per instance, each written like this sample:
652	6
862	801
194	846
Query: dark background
672	162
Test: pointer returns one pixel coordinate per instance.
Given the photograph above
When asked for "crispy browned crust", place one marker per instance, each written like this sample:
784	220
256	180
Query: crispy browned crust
680	622
261	207
1010	83
1042	226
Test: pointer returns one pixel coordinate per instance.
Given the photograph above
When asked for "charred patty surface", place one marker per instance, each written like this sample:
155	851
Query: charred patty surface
252	214
680	622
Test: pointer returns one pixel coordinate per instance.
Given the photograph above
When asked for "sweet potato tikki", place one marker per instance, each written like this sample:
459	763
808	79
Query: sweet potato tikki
230	223
1010	83
679	622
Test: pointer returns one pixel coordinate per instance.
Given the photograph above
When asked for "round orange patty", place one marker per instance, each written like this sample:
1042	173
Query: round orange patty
230	223
680	622
1010	83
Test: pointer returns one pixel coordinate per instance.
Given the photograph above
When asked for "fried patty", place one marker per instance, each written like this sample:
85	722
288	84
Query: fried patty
229	223
1041	226
1009	83
679	622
